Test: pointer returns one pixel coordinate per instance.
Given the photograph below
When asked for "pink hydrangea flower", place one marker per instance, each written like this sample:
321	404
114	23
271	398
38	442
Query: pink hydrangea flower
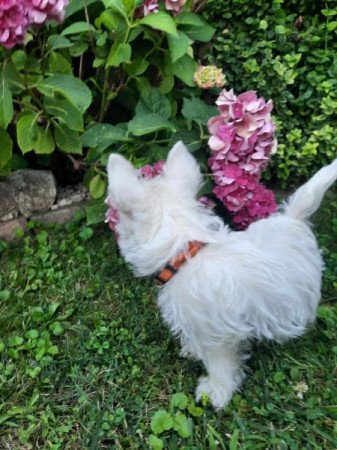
149	171
42	10
174	5
242	142
17	15
13	22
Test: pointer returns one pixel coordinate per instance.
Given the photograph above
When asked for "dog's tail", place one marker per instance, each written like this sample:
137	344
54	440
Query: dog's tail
306	200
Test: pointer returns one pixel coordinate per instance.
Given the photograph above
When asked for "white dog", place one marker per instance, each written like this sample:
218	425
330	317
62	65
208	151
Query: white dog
260	283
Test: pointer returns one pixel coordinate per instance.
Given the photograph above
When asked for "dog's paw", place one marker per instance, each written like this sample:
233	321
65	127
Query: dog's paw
216	392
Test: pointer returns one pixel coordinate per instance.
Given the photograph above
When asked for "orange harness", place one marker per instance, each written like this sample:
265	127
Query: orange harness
174	265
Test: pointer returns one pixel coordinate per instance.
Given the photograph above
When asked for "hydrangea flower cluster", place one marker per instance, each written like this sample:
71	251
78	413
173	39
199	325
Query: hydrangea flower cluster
17	15
152	6
207	77
242	142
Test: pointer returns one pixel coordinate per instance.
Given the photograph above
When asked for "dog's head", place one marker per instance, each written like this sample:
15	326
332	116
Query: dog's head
155	215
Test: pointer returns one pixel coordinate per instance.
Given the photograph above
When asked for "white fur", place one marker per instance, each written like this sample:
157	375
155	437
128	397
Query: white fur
261	283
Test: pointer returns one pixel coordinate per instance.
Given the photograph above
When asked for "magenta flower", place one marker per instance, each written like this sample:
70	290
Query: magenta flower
242	142
17	15
148	7
13	22
42	10
149	171
174	5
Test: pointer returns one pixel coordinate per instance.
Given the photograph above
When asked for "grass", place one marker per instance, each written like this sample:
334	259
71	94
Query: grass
86	363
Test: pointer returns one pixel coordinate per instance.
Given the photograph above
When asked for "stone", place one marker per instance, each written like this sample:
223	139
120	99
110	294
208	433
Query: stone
7	201
35	190
60	216
9	229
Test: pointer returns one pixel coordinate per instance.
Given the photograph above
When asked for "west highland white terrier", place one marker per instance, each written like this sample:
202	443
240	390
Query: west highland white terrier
220	289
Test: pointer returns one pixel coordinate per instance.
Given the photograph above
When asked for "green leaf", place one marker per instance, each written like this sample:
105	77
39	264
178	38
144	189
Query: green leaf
195	27
183	426
161	421
119	53
154	101
234	442
198	111
32	334
6	104
65	111
102	135
329	12
117	6
178	46
184	69
67	140
53	350
45	143
56	41
5	295
5	149
95	211
86	233
160	21
77	5
148	123
280	29
155	442
77	27
78	48
332	25
189	137
137	67
27	132
179	400
59	64
70	87
97	186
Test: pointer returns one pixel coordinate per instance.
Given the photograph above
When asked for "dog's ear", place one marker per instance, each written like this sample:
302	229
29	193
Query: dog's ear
183	169
125	188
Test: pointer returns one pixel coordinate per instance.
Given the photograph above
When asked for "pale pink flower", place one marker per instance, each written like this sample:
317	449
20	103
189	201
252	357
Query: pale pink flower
174	5
149	171
17	15
207	202
13	22
148	7
111	216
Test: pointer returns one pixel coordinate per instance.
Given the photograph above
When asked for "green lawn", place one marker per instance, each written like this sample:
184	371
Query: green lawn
86	362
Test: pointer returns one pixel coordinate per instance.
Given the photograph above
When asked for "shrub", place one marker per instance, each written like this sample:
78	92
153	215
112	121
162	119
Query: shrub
286	51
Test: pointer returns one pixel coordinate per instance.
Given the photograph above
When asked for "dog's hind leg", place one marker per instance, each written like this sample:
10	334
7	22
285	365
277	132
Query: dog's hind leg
224	374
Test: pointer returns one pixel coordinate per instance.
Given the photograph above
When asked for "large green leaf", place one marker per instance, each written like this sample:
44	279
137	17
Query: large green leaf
195	27
97	186
118	6
102	135
67	140
59	64
160	21
119	53
148	123
5	149
178	46
198	111
161	421
154	101
6	104
95	211
65	111
56	41
70	87
27	132
45	143
184	69
77	27
189	137
77	5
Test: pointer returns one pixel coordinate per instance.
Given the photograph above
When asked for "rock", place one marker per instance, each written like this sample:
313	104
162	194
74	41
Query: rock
8	229
7	201
59	216
35	190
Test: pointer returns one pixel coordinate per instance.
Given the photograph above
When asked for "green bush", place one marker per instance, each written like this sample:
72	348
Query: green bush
107	80
285	50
